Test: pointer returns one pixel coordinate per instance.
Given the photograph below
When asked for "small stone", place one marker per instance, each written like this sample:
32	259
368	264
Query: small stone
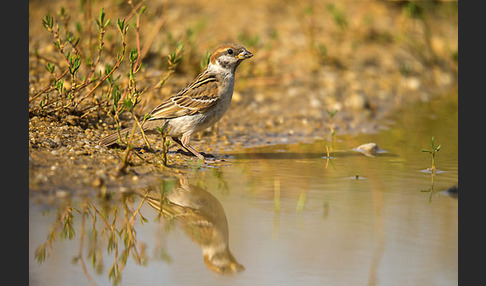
62	194
72	119
369	149
98	182
356	101
412	83
236	96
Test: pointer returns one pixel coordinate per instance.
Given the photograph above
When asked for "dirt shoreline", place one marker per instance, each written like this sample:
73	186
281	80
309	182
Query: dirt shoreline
65	159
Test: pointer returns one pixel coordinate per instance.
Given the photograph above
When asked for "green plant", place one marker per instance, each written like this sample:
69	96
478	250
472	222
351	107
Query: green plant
333	132
173	59
432	153
65	94
330	124
165	144
338	16
205	62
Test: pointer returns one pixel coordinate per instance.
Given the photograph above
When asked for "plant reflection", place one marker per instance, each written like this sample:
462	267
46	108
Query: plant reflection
113	226
451	191
431	190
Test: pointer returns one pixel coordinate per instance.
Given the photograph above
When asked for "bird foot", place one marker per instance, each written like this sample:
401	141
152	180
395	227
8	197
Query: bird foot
208	158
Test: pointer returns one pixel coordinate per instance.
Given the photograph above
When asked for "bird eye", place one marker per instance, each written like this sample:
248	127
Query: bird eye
230	51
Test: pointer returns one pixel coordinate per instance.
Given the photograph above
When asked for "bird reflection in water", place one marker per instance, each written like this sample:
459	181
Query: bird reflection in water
202	218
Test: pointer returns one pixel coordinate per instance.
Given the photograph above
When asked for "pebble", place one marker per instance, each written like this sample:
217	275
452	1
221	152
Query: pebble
98	182
62	193
412	83
369	149
356	101
236	96
72	119
40	177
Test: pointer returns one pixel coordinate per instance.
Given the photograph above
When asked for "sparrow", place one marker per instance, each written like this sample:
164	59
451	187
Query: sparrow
198	106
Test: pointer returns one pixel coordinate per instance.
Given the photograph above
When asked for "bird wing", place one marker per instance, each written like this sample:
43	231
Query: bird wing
198	96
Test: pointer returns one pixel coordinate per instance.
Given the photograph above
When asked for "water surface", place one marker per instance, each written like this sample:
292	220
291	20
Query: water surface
278	215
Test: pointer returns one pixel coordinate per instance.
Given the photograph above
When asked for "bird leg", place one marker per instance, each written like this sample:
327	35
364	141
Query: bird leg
185	144
175	139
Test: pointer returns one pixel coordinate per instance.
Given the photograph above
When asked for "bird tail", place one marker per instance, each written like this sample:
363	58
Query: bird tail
148	126
113	137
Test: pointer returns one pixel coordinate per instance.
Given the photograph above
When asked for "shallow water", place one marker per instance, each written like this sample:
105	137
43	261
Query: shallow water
288	215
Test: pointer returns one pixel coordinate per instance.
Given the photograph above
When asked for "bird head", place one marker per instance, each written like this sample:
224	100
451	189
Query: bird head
229	55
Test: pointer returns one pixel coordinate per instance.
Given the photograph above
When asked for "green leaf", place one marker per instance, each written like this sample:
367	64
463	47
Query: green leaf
69	36
50	67
116	95
48	22
79	27
101	19
75	63
57	44
133	55
331	114
205	61
122	26
108	69
107	23
60	86
62	11
128	103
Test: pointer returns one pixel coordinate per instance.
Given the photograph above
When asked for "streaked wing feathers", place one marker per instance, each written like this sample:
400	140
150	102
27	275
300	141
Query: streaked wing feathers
196	97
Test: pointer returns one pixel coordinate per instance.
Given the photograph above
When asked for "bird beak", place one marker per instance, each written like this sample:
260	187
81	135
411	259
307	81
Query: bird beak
245	55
